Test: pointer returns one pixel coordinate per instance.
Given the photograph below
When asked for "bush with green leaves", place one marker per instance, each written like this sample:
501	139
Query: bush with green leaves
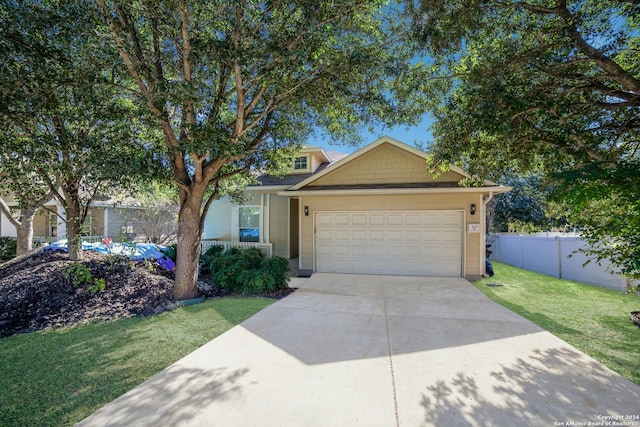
208	256
248	271
80	275
7	247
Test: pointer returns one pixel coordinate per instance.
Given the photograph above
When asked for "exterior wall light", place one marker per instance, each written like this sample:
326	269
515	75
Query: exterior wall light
473	208
306	211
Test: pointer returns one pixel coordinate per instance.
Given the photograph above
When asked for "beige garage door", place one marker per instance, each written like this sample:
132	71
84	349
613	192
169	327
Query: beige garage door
426	243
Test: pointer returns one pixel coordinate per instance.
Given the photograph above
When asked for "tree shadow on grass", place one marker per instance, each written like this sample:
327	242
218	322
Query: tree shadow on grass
550	386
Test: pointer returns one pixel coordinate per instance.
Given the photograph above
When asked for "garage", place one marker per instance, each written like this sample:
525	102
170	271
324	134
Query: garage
424	243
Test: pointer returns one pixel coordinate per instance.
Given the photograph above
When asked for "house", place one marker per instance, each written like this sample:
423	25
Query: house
376	211
105	218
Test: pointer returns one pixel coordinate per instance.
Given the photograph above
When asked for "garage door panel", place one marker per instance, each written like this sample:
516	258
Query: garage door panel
324	235
359	251
413	219
449	235
431	219
450	220
359	220
342	235
431	235
395	235
342	219
377	235
359	234
375	219
395	219
405	243
377	251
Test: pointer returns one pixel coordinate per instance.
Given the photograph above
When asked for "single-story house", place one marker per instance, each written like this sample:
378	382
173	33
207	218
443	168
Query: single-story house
376	211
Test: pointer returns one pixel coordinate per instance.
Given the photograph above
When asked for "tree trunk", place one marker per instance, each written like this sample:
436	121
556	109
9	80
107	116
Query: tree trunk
74	227
188	250
25	235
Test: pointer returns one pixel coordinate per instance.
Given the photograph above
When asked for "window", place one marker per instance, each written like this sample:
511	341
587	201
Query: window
249	223
300	163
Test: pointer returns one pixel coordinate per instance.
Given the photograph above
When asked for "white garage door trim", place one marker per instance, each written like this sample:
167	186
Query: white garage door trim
425	243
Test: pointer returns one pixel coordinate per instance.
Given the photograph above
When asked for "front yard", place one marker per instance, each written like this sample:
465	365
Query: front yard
58	377
592	319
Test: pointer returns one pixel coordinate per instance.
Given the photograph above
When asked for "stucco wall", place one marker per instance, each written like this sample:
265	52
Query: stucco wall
386	164
473	255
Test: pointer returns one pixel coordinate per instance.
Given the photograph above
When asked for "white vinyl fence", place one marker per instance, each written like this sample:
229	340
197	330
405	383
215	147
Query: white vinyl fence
554	256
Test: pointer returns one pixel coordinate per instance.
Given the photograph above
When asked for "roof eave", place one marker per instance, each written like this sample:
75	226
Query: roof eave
389	191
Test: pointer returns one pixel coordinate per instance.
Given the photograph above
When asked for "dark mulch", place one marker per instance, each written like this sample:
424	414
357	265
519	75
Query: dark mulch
635	318
34	294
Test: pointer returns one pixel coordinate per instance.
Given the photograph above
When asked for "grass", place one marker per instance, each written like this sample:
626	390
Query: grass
592	319
58	377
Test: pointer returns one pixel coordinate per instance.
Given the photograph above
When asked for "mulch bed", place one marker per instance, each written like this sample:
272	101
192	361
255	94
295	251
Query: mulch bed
34	294
635	318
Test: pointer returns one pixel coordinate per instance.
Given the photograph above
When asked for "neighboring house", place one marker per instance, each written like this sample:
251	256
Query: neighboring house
105	218
376	211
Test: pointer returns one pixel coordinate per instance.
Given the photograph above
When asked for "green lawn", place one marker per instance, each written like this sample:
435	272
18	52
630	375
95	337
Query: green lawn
592	319
58	377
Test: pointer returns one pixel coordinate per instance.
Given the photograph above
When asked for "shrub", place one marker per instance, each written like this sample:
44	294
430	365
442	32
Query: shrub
79	274
8	247
207	257
248	271
270	276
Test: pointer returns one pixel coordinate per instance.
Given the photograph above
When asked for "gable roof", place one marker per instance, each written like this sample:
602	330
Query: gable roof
353	158
326	157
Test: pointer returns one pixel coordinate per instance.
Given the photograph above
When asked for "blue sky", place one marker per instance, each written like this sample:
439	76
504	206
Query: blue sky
408	135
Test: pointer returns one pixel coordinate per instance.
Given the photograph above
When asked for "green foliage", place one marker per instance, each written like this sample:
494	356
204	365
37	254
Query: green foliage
519	85
248	271
208	256
605	201
270	276
546	87
234	86
67	122
7	247
79	274
526	208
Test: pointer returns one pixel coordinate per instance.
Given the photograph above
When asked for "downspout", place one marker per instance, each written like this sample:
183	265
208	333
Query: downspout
267	219
483	237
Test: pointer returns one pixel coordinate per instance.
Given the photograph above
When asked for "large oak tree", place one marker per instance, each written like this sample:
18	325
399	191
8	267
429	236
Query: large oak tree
66	121
544	85
230	83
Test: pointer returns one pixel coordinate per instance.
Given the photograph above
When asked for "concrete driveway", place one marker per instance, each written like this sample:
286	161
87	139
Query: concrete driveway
354	350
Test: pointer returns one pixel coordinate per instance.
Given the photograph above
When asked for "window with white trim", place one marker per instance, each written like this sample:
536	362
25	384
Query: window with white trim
301	163
249	223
